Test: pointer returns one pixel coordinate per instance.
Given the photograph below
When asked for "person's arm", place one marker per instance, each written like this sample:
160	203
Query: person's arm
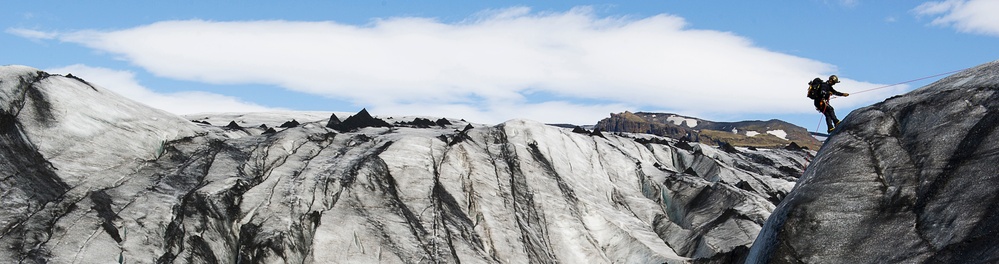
837	93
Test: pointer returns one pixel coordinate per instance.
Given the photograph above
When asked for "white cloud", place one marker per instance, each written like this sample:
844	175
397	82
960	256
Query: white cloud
969	16
31	34
124	84
487	66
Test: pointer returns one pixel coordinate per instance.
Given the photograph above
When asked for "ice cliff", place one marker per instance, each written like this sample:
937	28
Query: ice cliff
87	176
913	179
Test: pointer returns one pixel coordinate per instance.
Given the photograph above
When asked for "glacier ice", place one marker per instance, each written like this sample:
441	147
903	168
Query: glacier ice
91	177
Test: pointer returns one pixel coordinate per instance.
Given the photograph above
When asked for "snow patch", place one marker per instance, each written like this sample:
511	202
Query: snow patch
752	133
779	133
676	120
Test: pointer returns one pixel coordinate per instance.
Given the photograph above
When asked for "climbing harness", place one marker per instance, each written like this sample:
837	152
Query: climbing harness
824	104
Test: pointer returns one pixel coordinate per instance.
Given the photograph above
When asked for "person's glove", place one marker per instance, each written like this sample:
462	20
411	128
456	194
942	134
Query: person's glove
846	94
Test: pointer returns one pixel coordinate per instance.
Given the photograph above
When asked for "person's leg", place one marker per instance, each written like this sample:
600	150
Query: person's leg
820	105
831	120
832	112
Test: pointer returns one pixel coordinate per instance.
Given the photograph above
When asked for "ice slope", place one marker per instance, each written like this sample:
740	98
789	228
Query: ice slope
63	115
912	179
65	141
90	177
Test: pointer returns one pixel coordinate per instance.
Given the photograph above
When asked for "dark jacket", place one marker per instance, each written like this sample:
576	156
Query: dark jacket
827	90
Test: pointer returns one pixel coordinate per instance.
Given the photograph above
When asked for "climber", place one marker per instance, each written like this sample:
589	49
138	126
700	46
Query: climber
820	92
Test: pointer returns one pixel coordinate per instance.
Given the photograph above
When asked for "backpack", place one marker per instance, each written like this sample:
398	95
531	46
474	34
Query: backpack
815	89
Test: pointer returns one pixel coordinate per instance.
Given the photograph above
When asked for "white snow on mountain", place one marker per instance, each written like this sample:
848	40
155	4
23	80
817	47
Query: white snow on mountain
752	133
678	120
779	133
91	177
65	118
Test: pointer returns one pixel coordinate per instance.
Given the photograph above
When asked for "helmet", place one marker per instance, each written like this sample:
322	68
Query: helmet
833	79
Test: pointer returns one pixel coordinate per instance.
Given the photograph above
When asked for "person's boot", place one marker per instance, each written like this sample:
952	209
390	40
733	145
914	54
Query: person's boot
834	127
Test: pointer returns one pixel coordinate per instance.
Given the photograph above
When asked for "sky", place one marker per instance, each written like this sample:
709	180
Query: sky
491	61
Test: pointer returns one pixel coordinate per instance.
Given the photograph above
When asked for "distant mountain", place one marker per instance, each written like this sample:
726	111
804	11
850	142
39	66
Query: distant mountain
765	134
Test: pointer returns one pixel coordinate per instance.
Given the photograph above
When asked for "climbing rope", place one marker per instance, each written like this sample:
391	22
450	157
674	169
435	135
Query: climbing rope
822	114
909	81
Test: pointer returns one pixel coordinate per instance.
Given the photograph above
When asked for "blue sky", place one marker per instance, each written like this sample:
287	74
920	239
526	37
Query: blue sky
490	61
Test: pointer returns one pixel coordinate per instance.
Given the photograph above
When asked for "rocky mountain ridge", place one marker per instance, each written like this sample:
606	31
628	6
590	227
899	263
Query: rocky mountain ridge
765	134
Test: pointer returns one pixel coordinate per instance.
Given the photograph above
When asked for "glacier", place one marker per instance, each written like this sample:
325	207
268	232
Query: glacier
912	179
88	176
